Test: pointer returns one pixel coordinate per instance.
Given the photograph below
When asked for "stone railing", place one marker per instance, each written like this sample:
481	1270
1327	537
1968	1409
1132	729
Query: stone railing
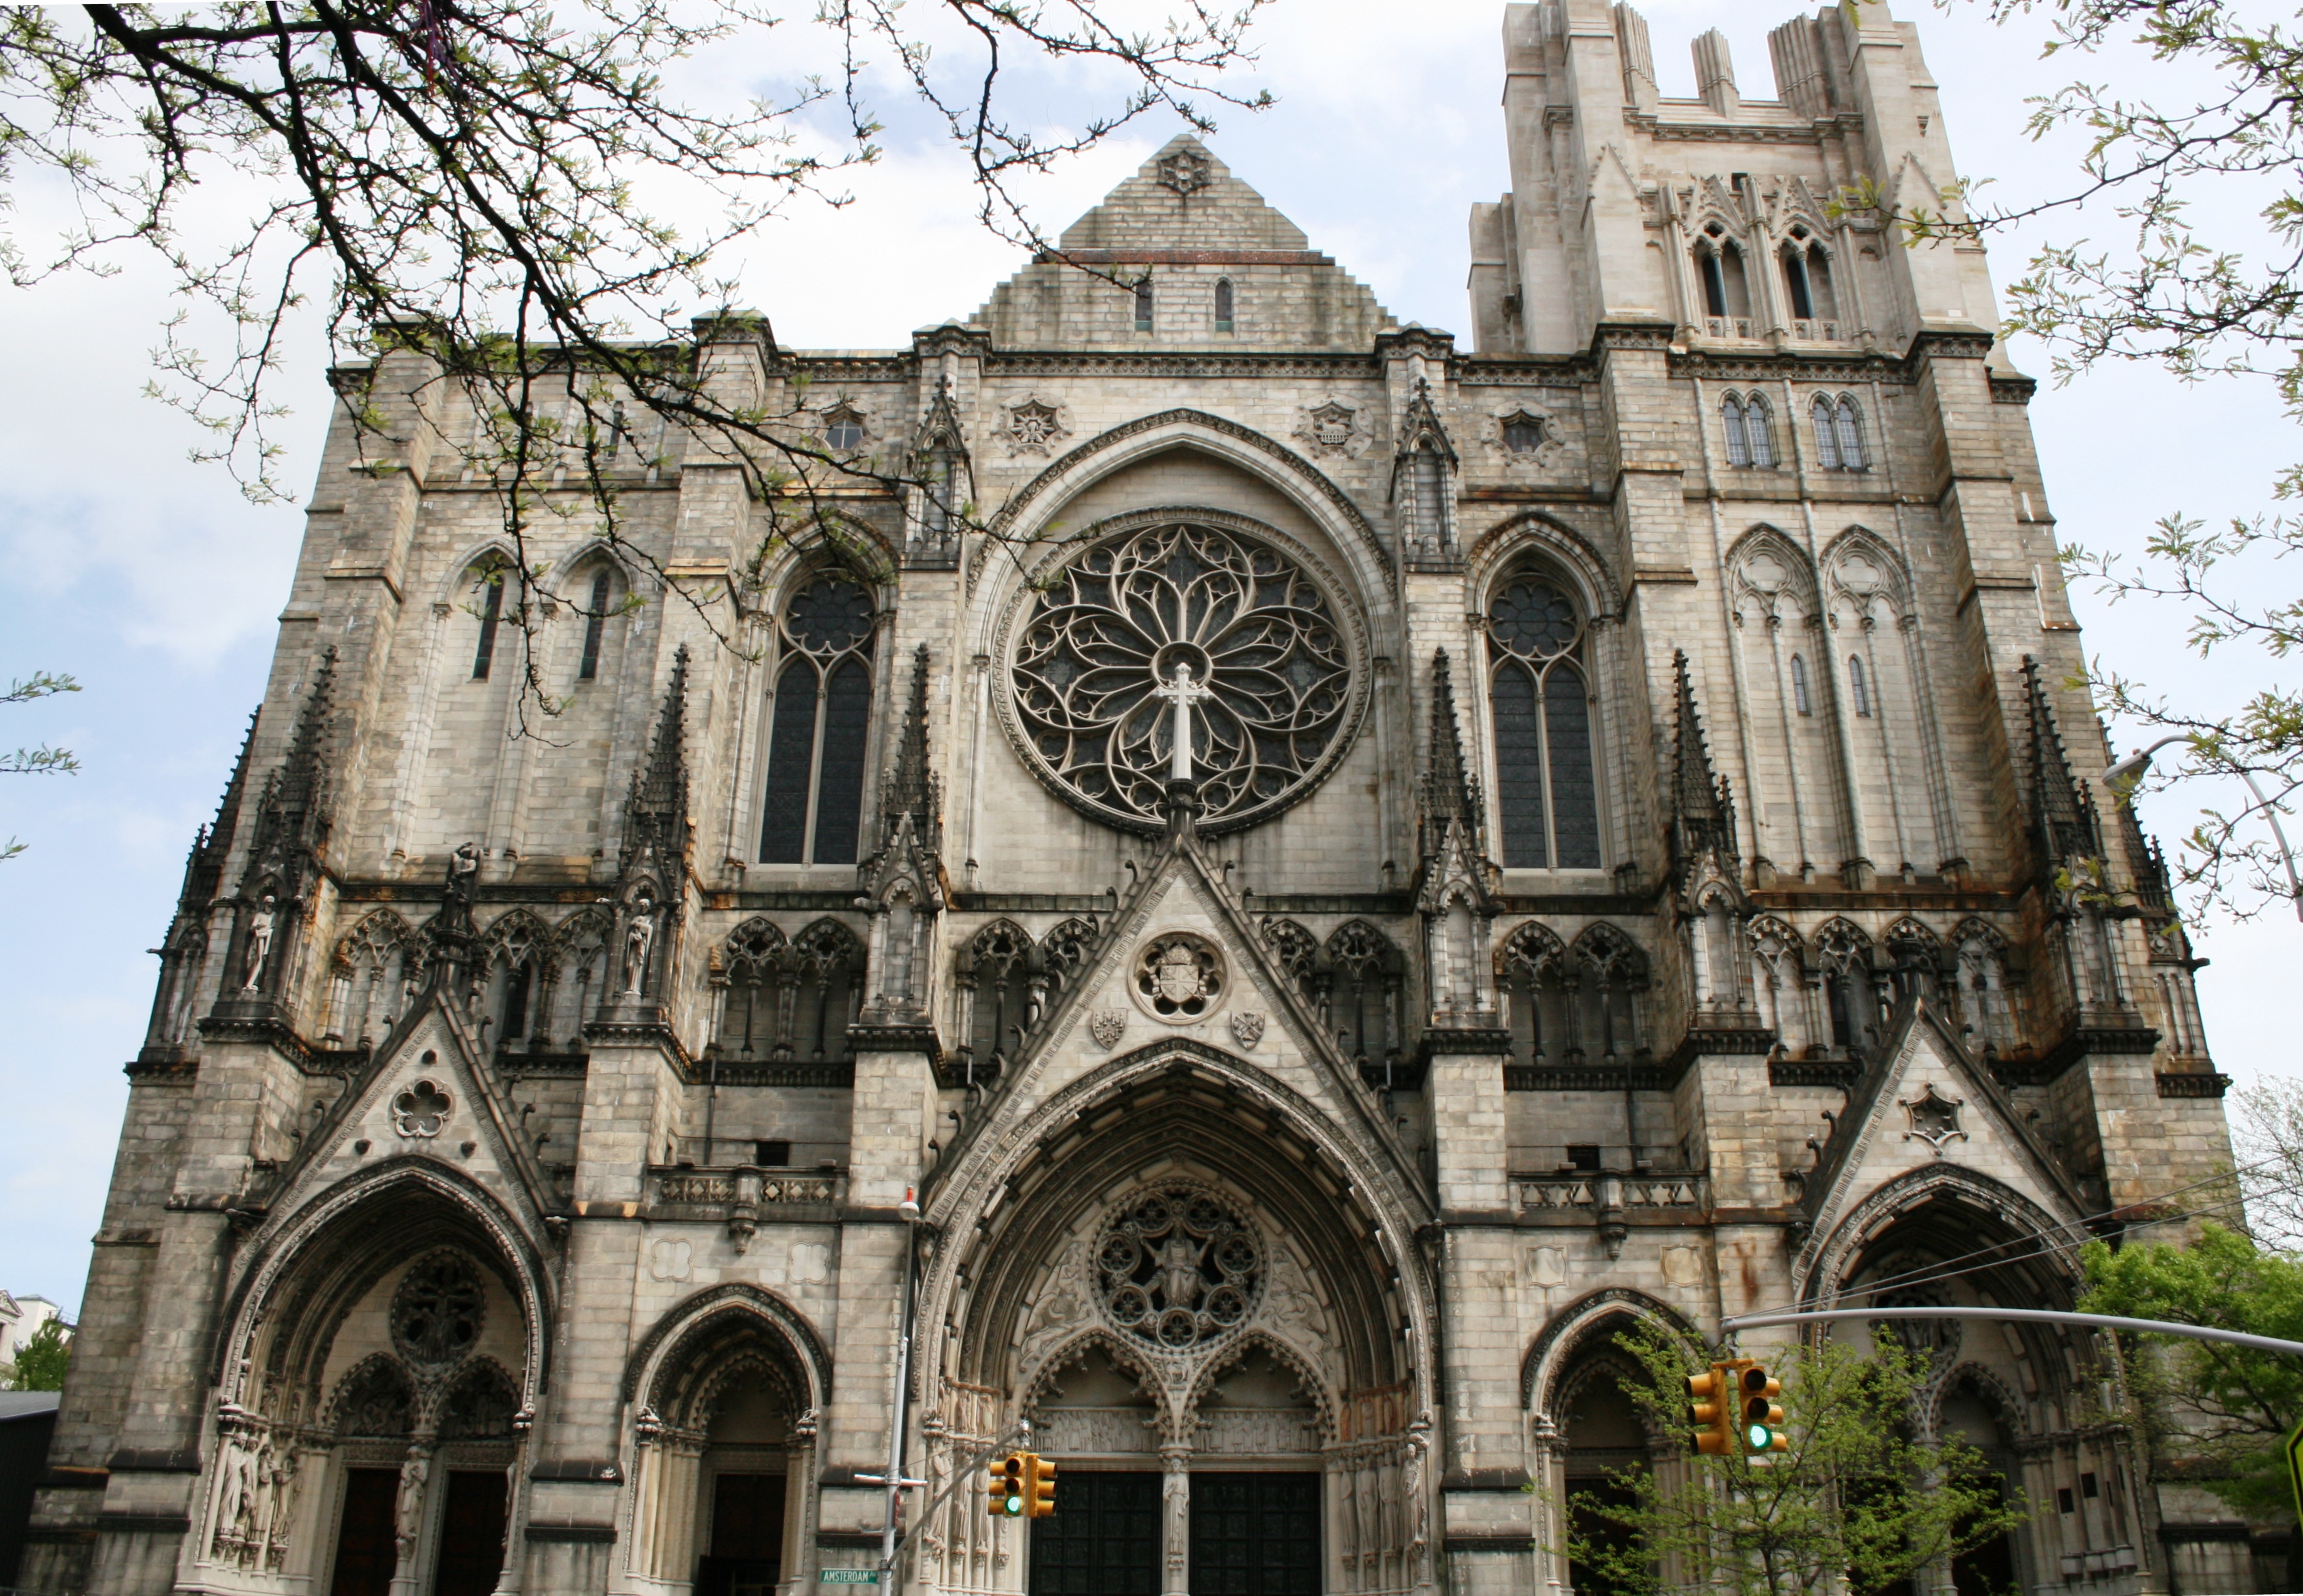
1607	1189
743	1196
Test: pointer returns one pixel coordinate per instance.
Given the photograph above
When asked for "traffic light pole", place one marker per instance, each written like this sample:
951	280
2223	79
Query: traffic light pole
961	1472
2151	1326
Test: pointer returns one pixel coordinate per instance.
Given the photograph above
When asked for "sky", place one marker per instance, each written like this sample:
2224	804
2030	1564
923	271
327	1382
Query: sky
151	579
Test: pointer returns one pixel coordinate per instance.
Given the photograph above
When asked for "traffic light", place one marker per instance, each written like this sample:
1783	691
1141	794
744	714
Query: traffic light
1041	1496
1763	1419
1712	1411
1005	1493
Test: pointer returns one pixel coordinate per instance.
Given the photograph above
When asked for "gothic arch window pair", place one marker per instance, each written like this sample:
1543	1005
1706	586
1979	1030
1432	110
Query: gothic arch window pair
1839	434
785	1000
819	722
1541	698
1006	982
1574	1005
1354	983
1750	430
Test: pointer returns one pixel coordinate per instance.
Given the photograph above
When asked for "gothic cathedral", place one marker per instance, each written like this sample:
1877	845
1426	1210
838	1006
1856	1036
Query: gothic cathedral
1293	883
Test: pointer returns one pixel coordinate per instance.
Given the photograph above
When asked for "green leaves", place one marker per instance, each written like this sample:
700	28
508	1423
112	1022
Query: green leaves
2222	1411
1857	1501
42	1360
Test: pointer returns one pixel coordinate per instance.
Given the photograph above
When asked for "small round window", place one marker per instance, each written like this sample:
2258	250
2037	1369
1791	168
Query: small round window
843	430
1523	434
437	1313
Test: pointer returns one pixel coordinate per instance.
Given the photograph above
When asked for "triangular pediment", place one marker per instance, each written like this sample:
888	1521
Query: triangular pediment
427	1094
1931	1105
1184	198
1224	990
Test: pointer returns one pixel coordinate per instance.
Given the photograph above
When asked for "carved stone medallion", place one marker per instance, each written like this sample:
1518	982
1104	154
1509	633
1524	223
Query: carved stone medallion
1178	978
1186	172
1246	1029
1108	1027
1035	428
1935	1117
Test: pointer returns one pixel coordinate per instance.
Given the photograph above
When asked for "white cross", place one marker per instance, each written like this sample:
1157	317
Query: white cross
1183	693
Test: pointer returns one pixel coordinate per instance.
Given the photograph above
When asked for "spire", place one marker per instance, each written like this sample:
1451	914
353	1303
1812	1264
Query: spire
1450	792
1703	804
911	789
204	869
297	806
2065	813
655	815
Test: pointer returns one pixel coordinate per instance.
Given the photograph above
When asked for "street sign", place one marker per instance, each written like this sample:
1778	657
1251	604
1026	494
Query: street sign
849	1577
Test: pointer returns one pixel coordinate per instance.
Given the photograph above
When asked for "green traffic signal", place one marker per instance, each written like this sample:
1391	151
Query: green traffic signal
1013	1506
1758	1438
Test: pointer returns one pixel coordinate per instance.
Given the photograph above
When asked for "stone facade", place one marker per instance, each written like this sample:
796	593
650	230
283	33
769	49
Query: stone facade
1633	861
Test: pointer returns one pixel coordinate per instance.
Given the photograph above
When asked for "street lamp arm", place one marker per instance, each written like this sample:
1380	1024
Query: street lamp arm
2153	1327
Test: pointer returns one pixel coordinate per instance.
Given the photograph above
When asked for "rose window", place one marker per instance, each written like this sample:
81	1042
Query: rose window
438	1310
1178	1269
1241	620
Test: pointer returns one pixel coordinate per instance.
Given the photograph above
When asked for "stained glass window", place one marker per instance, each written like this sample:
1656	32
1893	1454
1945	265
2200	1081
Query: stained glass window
1738	447
1826	442
843	430
1757	433
1547	782
1523	434
819	727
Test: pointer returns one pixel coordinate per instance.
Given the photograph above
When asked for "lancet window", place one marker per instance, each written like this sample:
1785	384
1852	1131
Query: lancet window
1807	283
1004	989
1143	303
1779	981
489	580
1850	991
819	724
602	603
1985	1003
1546	783
519	995
784	1000
1223	305
1749	429
1364	973
1726	289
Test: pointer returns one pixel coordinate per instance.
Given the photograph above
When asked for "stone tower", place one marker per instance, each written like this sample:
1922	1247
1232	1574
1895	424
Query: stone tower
1292	882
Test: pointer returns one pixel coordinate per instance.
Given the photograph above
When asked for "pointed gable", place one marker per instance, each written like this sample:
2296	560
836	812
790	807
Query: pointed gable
1187	225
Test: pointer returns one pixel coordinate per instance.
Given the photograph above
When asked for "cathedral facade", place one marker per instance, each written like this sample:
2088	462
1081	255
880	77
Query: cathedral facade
1297	879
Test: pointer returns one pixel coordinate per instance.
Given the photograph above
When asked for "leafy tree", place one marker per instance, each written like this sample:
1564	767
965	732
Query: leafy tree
1856	1499
2170	291
2228	1407
44	760
42	1359
526	195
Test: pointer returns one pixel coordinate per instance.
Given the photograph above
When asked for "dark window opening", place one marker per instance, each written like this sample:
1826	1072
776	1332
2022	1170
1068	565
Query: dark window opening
1583	1156
771	1155
2087	1487
490	616
819	729
1143	304
1800	700
515	1005
595	625
2063	1503
1715	284
1842	1009
1795	279
1223	305
471	1533
1523	434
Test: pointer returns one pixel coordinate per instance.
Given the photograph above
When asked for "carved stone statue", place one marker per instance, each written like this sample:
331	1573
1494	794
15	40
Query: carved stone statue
463	870
637	939
259	942
1179	1271
408	1515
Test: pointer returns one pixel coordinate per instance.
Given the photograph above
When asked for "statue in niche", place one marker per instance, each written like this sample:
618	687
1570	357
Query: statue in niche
259	942
637	938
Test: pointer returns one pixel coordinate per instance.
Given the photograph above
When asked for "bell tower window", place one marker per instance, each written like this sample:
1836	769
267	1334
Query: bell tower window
819	726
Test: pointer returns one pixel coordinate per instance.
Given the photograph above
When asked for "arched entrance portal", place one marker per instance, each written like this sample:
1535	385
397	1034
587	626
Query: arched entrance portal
724	1395
2025	1396
379	1379
1195	1292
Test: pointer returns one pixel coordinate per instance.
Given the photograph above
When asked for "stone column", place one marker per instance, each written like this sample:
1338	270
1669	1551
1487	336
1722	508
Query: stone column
1175	1520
